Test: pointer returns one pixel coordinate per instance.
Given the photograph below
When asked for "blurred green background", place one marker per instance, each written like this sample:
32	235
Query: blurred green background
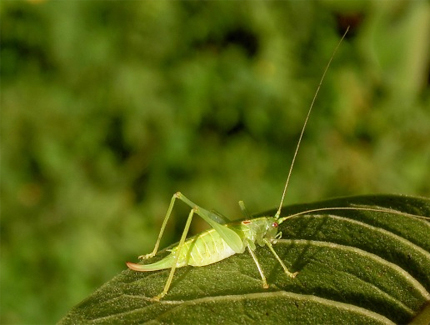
108	108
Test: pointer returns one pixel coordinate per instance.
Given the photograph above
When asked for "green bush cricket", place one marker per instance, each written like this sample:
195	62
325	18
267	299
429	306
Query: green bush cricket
227	238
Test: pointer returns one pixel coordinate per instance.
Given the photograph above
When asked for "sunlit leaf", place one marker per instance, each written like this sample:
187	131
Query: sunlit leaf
355	267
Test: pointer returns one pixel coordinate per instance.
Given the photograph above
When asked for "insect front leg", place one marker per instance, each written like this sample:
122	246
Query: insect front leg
287	272
178	253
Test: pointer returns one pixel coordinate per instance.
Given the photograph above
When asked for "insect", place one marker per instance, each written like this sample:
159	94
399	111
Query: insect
226	238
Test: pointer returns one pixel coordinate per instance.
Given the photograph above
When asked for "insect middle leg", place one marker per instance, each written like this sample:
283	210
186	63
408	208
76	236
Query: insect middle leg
260	270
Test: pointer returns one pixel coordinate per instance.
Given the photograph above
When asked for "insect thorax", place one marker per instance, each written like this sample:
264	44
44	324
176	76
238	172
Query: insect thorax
258	229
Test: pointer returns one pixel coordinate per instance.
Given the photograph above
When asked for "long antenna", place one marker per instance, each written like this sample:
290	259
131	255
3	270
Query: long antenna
278	213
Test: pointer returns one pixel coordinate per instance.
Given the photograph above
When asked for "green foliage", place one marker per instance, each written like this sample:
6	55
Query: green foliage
355	267
109	107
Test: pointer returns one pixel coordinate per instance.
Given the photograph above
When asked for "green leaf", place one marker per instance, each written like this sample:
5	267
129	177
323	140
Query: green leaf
355	267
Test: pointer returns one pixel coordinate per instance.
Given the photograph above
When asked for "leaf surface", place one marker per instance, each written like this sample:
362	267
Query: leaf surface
355	267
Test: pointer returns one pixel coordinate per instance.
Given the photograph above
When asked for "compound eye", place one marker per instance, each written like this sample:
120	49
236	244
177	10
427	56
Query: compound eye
275	225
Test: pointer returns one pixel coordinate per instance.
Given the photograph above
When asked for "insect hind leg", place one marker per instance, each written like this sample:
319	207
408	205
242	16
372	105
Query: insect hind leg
178	254
160	235
178	195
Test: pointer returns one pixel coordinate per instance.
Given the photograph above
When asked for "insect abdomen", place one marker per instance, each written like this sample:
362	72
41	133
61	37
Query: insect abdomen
165	263
203	249
206	248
